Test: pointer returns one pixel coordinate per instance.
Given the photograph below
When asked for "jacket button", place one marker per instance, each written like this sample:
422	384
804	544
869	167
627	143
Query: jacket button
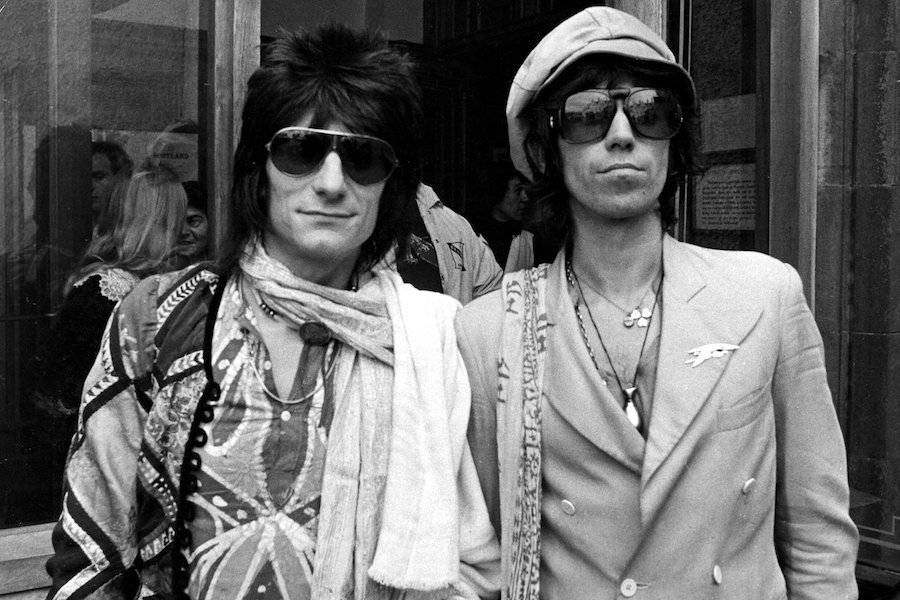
628	588
748	486
717	574
567	507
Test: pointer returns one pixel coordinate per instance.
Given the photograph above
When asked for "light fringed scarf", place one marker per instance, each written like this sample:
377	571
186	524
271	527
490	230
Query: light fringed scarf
389	515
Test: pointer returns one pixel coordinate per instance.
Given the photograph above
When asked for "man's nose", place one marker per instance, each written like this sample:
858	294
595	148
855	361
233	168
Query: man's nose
330	179
620	132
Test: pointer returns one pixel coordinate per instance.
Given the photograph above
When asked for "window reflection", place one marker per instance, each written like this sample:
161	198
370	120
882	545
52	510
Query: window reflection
88	88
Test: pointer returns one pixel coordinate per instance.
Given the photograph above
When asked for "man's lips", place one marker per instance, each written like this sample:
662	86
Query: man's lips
326	215
620	167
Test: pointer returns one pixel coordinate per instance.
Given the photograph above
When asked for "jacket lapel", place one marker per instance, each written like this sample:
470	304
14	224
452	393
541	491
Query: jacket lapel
694	314
596	416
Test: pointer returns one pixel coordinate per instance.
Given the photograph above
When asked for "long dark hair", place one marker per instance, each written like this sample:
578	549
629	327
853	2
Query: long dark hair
549	206
337	74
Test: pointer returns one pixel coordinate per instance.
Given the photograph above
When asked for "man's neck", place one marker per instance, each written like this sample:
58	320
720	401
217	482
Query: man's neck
619	259
336	272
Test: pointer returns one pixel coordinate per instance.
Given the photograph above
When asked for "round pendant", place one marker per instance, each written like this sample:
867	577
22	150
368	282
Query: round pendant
315	333
632	317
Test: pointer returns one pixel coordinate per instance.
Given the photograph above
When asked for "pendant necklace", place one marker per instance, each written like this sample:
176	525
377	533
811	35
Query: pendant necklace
312	333
640	315
631	411
252	358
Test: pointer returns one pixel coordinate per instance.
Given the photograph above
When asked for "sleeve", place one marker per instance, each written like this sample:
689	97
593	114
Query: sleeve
488	274
478	546
815	537
467	264
474	331
94	541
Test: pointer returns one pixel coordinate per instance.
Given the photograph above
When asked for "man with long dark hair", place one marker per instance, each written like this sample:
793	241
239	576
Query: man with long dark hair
291	425
659	411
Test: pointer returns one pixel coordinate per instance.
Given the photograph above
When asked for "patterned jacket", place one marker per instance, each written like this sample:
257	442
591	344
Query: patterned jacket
121	527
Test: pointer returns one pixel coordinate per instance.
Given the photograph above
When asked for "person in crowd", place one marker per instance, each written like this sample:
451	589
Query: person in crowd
650	419
292	424
107	159
139	242
443	252
503	228
193	245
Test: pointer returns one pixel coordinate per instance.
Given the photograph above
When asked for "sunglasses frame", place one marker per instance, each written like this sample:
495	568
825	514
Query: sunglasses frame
336	138
624	94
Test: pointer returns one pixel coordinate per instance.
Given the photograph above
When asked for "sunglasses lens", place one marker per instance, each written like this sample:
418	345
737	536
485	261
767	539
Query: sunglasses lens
298	152
654	113
586	116
366	160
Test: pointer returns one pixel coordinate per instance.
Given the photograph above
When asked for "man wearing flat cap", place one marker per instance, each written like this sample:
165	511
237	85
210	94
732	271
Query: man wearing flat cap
650	419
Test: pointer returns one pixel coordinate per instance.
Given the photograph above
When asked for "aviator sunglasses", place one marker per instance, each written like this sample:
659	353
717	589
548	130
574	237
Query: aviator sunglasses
586	116
298	151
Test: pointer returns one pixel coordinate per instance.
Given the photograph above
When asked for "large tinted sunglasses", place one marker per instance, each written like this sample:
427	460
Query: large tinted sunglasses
586	116
298	151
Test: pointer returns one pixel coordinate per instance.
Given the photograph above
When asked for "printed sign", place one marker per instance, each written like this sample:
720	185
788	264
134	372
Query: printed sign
726	198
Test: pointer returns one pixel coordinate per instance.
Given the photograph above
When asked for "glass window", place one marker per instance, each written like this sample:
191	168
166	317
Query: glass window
87	86
722	208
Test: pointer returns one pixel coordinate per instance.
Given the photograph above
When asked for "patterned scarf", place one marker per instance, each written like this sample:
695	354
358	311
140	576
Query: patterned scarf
357	320
522	359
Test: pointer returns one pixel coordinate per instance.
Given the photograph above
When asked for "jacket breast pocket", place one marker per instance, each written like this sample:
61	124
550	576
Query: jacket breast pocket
744	411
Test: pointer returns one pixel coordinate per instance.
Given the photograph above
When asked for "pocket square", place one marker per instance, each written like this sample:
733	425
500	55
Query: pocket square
701	353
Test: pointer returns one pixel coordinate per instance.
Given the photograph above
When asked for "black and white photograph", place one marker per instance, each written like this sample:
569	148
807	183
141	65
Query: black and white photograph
450	299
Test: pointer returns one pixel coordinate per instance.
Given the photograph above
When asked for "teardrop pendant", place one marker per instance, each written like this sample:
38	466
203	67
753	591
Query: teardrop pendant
630	409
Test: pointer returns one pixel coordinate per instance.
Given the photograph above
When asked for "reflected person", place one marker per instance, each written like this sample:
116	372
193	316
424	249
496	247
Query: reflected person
108	158
193	244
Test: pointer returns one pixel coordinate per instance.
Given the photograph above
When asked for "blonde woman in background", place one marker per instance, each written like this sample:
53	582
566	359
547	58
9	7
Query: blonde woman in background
135	238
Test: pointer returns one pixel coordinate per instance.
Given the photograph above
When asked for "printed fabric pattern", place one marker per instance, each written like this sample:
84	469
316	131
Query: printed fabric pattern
257	508
117	548
520	376
135	431
467	265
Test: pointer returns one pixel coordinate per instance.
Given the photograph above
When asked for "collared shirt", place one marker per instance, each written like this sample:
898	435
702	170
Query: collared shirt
467	265
260	482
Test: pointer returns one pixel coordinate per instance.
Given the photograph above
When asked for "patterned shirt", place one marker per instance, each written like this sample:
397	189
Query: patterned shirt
257	503
467	266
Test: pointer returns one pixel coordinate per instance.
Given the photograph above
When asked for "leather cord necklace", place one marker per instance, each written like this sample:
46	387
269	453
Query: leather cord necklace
313	334
630	388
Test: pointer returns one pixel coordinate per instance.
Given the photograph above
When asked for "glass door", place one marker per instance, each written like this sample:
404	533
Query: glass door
88	87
